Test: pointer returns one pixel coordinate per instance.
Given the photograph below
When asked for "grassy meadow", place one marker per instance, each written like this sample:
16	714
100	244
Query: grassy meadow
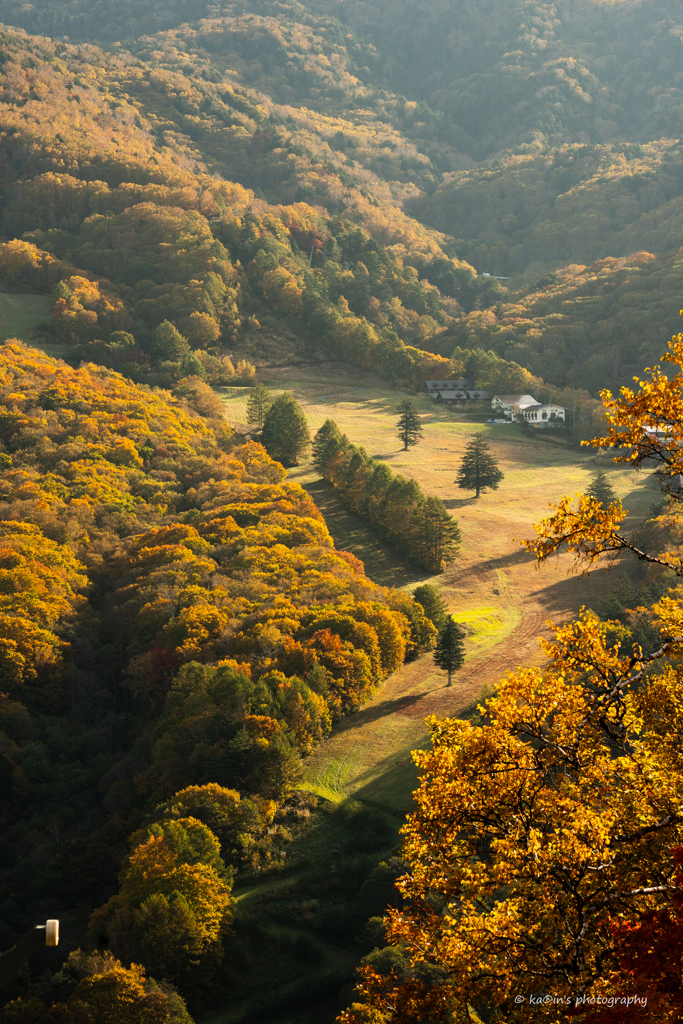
494	588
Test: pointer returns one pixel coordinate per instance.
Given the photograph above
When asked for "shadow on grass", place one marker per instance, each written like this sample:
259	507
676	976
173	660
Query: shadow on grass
371	714
458	502
382	562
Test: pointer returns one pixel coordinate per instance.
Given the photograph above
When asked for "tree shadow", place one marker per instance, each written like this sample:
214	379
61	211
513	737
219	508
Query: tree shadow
389	455
458	502
375	711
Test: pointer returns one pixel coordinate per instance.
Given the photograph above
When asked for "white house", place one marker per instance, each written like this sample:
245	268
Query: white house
525	407
542	415
512	405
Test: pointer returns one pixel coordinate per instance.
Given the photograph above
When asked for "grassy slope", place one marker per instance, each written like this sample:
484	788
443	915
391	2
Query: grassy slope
19	314
494	588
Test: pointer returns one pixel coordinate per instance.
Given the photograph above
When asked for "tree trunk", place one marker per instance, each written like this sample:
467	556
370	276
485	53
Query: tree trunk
449	678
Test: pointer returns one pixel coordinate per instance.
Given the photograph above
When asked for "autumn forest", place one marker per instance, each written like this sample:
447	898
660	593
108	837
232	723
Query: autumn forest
194	196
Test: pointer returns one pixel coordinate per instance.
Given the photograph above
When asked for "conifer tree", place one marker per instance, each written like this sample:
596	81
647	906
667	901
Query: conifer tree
434	607
258	404
325	442
169	343
601	489
409	427
437	535
285	433
449	653
478	469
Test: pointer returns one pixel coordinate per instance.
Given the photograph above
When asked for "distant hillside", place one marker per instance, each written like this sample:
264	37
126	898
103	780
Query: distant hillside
511	139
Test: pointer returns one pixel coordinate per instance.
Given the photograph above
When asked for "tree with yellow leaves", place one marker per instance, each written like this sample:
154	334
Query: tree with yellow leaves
173	903
554	823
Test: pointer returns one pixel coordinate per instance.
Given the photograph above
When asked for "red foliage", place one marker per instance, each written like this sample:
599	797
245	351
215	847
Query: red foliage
650	956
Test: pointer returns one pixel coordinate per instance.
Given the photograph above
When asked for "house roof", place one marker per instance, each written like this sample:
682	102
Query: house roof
524	401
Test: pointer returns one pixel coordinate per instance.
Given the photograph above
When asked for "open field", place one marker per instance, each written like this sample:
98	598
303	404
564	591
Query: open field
493	588
19	315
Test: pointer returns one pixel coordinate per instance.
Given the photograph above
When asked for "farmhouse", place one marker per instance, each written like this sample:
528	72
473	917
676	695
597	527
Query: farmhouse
512	405
542	415
454	391
525	407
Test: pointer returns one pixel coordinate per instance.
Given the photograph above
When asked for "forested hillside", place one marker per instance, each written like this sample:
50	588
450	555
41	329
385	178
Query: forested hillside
531	137
174	615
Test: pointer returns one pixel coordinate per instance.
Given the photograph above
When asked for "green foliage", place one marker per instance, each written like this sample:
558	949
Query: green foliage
408	426
449	653
285	433
434	606
478	468
601	489
258	404
169	343
328	441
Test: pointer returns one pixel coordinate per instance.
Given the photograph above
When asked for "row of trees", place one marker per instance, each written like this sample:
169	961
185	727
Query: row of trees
419	526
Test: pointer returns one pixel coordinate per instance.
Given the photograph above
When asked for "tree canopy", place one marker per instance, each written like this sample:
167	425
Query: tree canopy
285	434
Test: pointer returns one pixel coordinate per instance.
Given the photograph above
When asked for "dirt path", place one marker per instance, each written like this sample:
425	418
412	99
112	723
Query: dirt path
493	588
369	753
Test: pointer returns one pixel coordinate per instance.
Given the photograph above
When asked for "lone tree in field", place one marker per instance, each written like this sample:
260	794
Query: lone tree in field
258	404
601	489
408	427
285	434
478	469
449	653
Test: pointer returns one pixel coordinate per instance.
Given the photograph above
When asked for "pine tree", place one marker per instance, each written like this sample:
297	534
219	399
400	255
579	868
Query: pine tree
432	602
601	489
285	434
258	404
478	469
169	344
409	427
437	534
449	653
325	443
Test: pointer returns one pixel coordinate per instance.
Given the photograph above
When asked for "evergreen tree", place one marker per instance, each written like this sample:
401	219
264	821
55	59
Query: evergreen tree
601	489
258	404
409	427
169	344
285	433
478	469
325	445
437	534
449	653
432	602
